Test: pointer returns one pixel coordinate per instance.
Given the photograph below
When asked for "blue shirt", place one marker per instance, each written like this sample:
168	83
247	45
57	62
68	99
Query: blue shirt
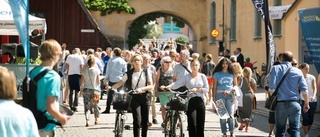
16	121
224	80
49	85
105	61
115	69
290	85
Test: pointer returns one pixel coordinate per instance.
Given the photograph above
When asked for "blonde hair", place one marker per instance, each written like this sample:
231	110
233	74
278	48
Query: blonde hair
195	56
247	72
8	89
49	49
136	56
91	60
237	70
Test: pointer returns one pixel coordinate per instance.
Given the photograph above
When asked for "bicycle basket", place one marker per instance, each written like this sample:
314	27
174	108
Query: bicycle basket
178	103
121	101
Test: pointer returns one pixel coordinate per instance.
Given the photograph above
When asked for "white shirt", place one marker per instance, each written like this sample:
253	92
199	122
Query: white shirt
74	62
309	80
135	77
94	72
179	71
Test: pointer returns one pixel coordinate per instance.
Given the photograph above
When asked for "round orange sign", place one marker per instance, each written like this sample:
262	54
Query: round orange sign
214	33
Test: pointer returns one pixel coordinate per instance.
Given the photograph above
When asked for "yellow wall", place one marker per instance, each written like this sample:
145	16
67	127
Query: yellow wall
197	14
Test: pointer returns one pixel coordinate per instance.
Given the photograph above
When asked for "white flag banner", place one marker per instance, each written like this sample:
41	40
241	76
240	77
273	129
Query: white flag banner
276	12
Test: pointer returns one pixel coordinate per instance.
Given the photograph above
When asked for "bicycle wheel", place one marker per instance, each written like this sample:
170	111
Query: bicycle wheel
262	79
166	125
117	128
121	124
178	124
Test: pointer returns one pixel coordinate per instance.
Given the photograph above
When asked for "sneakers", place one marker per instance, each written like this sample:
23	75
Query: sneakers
154	121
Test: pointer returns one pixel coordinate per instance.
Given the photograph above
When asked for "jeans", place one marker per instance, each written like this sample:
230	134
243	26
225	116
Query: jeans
287	110
307	118
228	101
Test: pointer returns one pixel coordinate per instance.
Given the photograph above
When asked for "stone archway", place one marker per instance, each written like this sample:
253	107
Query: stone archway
193	39
194	13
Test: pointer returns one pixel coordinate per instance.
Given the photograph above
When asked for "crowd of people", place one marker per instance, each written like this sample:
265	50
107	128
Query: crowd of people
151	71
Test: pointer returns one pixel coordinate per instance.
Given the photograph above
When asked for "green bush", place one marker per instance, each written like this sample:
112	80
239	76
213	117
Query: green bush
182	40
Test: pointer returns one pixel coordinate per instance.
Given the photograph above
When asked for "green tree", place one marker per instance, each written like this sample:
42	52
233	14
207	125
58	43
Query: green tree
153	30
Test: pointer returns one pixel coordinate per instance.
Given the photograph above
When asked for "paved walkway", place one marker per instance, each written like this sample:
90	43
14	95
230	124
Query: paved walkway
76	125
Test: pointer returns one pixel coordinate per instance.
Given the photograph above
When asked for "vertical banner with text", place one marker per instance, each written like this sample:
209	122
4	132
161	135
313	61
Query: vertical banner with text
310	25
263	8
20	11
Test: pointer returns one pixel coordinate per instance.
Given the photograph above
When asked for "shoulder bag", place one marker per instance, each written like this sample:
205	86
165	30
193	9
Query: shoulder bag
271	102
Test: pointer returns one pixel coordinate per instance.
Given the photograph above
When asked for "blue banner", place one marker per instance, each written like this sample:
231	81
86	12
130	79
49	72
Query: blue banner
20	11
263	8
310	24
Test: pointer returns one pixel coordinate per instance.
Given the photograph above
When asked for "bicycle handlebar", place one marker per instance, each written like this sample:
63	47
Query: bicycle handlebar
121	91
177	92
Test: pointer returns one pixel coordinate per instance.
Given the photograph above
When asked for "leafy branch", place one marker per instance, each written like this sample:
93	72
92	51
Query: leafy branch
109	6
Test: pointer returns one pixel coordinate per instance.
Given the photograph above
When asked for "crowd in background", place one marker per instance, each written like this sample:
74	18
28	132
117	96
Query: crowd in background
152	69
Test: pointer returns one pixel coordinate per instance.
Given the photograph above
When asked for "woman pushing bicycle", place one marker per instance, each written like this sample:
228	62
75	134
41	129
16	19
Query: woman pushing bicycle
198	85
138	80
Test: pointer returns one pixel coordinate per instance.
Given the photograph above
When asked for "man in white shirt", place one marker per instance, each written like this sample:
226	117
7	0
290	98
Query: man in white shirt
74	64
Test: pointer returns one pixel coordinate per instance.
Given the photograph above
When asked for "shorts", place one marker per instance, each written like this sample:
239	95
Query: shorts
164	99
271	119
210	80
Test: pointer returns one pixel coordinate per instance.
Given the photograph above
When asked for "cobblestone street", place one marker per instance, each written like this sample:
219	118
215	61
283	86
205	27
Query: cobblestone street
259	127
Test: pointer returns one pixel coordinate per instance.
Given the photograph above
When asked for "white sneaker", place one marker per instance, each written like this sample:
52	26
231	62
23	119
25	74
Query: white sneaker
306	135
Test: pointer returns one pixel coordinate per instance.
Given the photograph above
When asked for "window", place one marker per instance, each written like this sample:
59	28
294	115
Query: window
257	25
277	22
212	20
233	19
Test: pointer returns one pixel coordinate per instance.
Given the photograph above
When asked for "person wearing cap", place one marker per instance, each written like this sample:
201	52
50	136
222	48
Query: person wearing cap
248	63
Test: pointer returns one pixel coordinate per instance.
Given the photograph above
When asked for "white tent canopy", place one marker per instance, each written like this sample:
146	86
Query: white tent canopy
7	25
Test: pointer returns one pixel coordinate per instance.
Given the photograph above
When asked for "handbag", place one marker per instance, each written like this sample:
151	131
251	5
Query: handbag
271	101
178	103
96	94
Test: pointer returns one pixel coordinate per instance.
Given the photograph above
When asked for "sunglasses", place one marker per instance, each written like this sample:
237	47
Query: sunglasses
293	64
167	62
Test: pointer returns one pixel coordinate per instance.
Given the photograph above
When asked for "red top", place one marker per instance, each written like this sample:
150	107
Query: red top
248	64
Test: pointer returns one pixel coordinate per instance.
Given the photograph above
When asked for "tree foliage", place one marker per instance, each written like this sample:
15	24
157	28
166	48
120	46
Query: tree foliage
137	30
109	6
153	30
182	40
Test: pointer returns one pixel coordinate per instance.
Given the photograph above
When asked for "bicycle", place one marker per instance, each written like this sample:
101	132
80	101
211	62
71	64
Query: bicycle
173	124
121	103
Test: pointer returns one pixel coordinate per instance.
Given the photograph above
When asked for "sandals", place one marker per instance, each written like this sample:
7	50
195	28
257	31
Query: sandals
242	126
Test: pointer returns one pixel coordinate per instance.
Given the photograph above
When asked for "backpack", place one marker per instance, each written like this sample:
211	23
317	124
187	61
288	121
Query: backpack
29	92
